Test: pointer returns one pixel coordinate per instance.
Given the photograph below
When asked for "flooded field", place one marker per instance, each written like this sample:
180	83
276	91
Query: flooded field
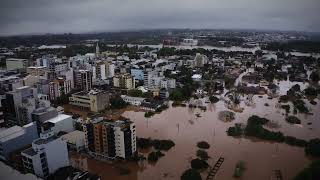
181	125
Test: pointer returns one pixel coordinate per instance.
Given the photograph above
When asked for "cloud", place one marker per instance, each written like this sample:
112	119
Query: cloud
59	16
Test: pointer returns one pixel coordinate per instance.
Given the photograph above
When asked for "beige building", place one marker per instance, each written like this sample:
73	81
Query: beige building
94	100
37	70
124	81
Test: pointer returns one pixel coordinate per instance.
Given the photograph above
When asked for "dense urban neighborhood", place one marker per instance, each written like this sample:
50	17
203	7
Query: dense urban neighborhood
161	104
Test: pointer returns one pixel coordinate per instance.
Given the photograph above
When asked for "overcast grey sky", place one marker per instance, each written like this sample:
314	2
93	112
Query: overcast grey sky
60	16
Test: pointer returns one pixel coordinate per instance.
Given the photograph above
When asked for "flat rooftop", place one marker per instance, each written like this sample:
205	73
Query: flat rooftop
29	152
45	141
58	118
11	133
74	136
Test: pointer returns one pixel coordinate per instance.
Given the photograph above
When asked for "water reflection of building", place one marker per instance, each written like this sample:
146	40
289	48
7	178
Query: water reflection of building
110	139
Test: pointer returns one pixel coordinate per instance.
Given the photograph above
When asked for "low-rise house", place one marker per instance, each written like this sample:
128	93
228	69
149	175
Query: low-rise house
152	105
135	101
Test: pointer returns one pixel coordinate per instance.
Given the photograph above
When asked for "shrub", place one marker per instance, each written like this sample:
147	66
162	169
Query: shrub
203	145
154	156
300	106
310	173
313	147
144	143
148	114
293	120
117	103
202	154
191	174
157	144
199	164
213	99
163	144
235	131
178	103
286	107
124	171
240	167
310	92
284	98
294	141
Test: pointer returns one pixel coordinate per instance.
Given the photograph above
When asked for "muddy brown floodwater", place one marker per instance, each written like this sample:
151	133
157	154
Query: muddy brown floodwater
181	125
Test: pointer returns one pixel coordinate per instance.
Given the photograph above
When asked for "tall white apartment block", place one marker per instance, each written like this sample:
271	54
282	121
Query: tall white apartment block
47	154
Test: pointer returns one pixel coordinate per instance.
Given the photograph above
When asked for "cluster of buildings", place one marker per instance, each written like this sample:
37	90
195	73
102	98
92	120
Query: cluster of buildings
36	137
110	139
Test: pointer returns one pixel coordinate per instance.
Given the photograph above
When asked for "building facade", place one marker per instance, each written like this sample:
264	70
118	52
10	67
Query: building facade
18	106
110	139
124	81
83	80
94	100
47	154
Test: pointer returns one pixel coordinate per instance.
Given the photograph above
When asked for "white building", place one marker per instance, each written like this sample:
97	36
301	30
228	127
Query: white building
196	77
125	134
135	101
62	122
103	70
47	154
189	42
200	60
168	83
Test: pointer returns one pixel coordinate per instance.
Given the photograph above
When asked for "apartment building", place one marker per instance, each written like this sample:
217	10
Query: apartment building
103	70
94	100
18	106
47	154
124	81
83	80
167	83
37	70
59	86
110	139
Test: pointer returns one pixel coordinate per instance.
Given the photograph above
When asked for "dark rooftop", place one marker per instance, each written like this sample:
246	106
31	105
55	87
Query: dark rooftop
45	141
30	152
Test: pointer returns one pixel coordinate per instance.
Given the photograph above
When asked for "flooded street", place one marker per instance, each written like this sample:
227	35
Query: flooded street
181	125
